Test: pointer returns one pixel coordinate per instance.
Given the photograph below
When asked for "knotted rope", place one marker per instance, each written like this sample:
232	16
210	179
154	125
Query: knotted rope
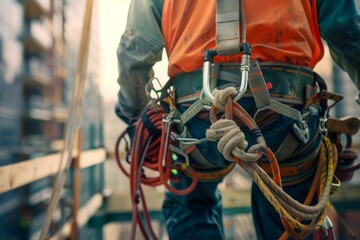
232	145
232	140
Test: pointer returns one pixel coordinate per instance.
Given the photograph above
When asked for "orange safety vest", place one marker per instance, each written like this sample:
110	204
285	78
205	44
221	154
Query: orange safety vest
280	31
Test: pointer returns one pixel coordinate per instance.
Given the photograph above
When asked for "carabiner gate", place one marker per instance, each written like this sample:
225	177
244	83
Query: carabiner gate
209	55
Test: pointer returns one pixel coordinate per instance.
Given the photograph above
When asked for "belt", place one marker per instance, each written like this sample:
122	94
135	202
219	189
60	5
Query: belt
295	171
288	83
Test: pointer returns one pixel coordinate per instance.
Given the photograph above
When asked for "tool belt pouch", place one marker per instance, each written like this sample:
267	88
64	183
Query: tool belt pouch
334	128
346	156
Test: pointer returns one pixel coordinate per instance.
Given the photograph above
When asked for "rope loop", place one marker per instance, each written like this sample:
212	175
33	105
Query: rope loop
232	145
222	97
229	135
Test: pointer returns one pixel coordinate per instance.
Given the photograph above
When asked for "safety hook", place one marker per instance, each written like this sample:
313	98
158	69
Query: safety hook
150	88
209	55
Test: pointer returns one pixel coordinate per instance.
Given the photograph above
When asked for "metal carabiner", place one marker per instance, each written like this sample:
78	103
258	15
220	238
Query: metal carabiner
149	88
245	68
168	120
208	59
322	125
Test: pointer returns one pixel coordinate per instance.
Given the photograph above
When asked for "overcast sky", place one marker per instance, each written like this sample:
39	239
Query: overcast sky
113	15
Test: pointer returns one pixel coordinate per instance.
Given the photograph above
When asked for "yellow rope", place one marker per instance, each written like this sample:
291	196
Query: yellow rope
326	177
288	208
312	191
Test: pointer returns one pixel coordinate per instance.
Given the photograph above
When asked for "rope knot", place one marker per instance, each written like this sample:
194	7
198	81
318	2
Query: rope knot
229	135
222	96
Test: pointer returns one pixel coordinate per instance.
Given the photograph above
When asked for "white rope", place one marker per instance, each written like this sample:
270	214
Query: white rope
232	140
230	135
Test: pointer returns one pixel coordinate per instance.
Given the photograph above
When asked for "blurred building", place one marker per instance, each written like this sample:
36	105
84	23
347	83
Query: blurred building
39	42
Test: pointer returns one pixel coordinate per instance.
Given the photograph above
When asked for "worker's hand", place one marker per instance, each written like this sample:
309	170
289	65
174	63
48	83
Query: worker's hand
129	114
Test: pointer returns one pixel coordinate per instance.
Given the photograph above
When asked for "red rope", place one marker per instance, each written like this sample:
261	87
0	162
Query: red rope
148	152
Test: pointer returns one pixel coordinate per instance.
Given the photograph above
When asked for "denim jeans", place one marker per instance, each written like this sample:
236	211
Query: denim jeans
198	215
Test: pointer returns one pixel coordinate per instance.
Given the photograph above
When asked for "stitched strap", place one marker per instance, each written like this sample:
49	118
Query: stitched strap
289	83
227	27
258	86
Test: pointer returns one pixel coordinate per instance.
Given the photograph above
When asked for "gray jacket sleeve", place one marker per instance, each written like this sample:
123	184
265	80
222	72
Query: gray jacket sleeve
139	49
339	24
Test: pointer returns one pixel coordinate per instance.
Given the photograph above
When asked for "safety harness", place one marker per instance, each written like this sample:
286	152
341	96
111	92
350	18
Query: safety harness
161	142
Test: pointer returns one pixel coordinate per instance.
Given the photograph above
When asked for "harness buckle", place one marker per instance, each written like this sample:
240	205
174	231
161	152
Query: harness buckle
322	125
301	130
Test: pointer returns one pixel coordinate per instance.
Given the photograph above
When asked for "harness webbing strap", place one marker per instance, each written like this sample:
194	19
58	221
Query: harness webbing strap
150	126
287	148
258	86
227	27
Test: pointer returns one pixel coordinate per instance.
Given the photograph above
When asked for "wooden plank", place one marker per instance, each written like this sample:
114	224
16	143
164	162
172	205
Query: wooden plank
153	201
22	173
236	198
19	174
231	199
92	157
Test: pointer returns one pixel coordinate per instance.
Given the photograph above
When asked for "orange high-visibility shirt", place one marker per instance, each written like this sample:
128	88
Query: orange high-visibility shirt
281	31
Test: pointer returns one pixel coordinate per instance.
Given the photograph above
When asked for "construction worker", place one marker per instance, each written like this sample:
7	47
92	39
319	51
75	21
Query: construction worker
284	34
